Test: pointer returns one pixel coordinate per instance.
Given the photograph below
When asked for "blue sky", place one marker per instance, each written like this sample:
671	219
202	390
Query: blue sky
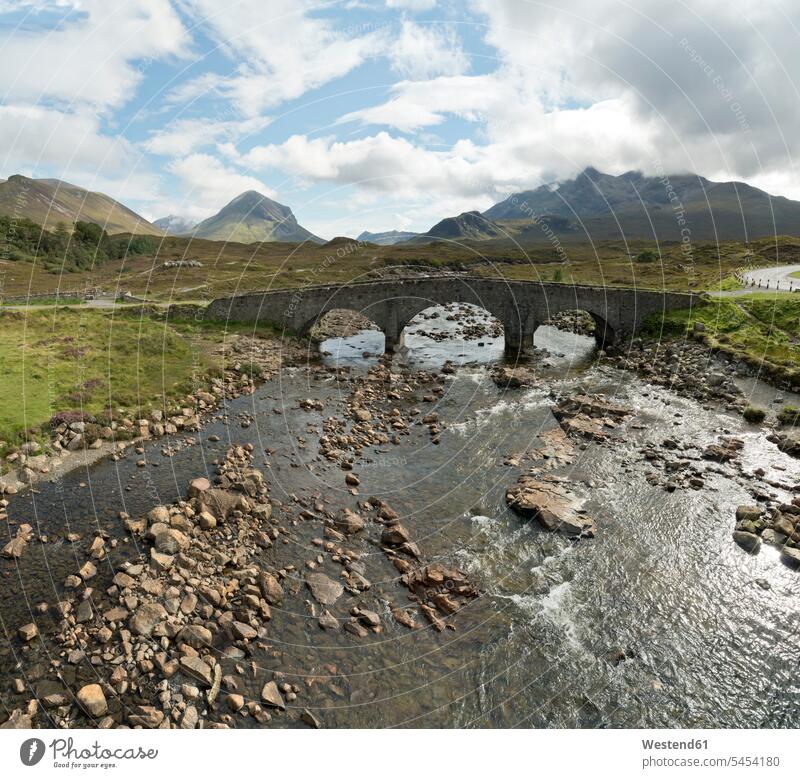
390	114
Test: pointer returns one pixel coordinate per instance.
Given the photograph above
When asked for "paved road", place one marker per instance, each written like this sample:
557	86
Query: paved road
779	279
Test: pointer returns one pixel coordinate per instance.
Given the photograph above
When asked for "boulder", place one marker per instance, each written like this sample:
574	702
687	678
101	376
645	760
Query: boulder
749	542
219	502
327	620
271	590
206	520
195	636
791	557
87	571
395	535
349	522
92	700
196	668
158	515
15	547
147	616
197	487
272	696
325	590
159	561
242	631
748	513
28	632
146	717
594	407
171	541
549	503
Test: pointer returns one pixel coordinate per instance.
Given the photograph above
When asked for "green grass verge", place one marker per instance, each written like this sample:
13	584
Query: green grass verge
729	284
37	301
90	360
762	330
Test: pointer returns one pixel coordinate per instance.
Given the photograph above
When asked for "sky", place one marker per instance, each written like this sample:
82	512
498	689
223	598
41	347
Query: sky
392	114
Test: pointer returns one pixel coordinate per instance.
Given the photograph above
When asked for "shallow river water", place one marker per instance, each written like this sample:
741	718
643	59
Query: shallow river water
708	646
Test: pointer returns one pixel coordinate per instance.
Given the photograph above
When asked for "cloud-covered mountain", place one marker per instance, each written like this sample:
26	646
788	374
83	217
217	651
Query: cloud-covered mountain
48	201
252	218
631	205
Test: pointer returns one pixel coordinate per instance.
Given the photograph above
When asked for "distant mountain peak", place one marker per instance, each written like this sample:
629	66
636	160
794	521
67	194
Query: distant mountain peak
633	205
174	225
252	217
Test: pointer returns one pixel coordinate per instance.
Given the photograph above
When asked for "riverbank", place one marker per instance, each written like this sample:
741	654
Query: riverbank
81	385
760	331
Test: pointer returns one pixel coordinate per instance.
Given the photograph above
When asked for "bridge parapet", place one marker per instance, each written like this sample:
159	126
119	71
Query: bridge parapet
521	306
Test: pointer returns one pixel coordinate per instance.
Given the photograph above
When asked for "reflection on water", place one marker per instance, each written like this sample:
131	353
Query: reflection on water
431	339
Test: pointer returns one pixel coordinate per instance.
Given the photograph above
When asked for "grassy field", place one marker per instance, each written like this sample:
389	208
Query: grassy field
89	360
43	301
235	268
762	329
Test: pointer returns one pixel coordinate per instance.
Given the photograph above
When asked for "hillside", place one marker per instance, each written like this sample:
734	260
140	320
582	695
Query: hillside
601	206
48	201
253	218
467	226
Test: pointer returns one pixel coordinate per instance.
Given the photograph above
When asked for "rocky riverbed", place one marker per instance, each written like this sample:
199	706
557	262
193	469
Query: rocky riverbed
385	542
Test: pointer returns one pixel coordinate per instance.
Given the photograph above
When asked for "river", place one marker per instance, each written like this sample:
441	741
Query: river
710	632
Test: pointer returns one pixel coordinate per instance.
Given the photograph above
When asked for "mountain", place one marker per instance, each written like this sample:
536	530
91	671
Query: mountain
251	218
470	225
386	238
48	201
174	225
631	205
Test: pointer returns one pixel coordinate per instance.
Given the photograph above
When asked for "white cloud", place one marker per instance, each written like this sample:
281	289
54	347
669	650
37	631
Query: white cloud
718	101
422	52
412	5
6	6
382	169
32	137
416	104
90	58
282	50
184	136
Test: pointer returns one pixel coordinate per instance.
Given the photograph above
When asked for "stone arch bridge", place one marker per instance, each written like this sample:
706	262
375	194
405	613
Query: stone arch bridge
521	306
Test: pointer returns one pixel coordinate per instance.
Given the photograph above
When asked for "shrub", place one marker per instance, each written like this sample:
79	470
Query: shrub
754	415
648	255
789	416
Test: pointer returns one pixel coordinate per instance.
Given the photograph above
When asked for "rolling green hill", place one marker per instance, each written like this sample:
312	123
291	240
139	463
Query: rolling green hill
48	201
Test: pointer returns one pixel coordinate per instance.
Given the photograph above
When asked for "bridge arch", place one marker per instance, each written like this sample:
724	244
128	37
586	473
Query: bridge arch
393	313
340	322
521	306
581	322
